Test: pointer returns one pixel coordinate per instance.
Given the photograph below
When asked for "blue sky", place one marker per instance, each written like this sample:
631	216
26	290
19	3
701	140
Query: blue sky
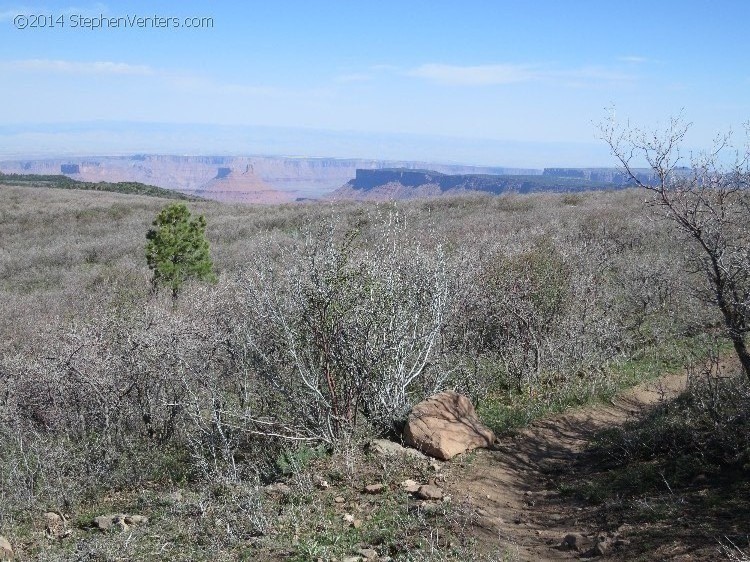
527	77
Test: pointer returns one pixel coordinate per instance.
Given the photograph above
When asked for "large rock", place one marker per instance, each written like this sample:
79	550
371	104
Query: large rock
446	425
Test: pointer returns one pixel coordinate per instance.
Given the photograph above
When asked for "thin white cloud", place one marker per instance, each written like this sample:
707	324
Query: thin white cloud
197	84
77	67
633	59
355	77
590	75
191	83
501	74
482	75
384	67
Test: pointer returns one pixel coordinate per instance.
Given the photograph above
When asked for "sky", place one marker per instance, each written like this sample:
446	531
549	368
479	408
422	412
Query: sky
511	83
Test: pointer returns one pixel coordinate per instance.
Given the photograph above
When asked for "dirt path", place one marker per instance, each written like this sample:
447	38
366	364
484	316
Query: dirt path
517	509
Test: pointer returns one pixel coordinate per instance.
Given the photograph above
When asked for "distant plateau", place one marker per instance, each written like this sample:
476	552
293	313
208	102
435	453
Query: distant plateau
277	179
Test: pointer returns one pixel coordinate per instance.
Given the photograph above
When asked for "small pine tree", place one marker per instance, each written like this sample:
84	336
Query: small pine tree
177	248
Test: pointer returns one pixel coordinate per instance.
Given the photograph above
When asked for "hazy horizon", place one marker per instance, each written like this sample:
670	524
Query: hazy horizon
42	141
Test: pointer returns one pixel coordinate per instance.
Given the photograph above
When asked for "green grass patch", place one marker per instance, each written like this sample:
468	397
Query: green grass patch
506	409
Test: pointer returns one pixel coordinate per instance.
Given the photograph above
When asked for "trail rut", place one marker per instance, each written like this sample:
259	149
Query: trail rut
511	491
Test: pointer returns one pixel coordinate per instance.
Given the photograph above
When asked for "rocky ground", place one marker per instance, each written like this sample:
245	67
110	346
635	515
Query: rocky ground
507	503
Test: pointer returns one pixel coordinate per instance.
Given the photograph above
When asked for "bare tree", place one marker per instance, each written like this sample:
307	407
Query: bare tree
706	196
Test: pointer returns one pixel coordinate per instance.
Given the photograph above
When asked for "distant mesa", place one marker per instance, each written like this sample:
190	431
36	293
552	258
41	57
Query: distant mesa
565	173
400	183
601	175
234	186
70	169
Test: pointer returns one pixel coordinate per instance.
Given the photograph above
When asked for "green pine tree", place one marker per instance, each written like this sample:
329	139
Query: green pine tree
177	248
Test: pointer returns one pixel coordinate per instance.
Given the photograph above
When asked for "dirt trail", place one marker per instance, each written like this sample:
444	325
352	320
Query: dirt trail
511	493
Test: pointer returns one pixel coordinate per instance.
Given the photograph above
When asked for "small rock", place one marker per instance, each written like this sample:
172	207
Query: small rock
6	551
621	543
104	522
429	492
387	448
339	499
601	548
368	553
54	525
410	486
700	480
571	542
136	519
321	483
109	521
374	489
51	518
279	488
529	493
351	521
430	508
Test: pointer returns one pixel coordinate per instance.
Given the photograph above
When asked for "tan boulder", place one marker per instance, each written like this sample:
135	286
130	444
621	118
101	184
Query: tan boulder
446	425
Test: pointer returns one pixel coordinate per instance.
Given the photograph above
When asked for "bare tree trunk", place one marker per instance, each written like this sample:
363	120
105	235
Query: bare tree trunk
741	349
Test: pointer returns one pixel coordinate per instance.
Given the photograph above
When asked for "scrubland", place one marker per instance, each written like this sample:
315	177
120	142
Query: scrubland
327	322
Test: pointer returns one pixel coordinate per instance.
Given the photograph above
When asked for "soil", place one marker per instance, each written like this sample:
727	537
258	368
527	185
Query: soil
511	493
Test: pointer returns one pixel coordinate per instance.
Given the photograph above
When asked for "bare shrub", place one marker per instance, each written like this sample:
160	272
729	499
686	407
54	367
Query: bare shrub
103	395
346	330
